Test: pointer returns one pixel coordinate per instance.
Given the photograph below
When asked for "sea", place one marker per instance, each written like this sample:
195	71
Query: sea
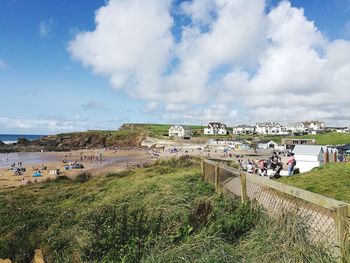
12	138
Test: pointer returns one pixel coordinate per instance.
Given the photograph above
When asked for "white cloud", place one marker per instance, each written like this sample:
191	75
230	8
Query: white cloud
131	44
244	63
151	106
94	104
45	27
54	124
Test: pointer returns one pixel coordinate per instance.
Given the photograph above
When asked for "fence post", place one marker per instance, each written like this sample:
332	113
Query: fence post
216	177
243	180
202	169
341	233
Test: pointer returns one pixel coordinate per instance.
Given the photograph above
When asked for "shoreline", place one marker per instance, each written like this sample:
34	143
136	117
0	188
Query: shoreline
112	161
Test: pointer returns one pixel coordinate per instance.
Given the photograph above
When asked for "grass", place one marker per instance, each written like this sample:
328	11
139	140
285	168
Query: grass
161	130
161	213
332	180
329	138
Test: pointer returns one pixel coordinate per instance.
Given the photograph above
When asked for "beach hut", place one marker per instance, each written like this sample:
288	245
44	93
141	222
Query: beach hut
308	157
267	144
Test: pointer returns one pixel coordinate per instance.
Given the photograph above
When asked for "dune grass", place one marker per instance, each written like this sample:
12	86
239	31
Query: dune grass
332	180
161	213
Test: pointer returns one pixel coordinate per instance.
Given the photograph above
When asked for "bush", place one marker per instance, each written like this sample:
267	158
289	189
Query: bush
83	177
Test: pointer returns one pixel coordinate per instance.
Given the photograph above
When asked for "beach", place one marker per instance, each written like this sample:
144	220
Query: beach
94	162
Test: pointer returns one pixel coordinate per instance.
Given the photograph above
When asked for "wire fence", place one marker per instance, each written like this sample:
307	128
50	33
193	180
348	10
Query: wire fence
323	220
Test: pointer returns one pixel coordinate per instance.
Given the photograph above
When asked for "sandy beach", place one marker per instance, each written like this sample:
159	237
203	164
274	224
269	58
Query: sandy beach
112	161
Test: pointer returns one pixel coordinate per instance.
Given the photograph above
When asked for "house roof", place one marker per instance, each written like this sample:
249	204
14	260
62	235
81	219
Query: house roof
295	124
185	127
307	150
344	147
268	124
218	124
307	123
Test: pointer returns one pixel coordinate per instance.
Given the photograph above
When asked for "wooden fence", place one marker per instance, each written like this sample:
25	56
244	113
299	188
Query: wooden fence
326	219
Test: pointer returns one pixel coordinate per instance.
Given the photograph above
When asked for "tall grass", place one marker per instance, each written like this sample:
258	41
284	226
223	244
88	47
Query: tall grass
161	213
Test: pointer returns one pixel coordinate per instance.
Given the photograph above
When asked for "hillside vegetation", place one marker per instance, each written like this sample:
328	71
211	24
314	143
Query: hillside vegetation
161	213
78	140
332	180
329	138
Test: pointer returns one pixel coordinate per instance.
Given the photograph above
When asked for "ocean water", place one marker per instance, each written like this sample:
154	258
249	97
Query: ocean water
12	138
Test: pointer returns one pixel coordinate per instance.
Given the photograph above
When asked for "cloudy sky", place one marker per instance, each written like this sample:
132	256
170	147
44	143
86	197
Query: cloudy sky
94	64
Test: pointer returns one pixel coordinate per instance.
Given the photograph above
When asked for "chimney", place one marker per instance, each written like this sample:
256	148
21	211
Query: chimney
335	157
326	156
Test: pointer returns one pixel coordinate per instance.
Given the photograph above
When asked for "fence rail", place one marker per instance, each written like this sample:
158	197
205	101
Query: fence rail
327	220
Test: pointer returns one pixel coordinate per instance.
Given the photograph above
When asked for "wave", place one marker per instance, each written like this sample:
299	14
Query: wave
9	142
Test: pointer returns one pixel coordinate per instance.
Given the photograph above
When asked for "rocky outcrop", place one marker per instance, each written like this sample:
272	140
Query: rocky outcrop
77	141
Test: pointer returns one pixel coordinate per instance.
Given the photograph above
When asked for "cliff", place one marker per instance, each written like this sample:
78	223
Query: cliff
77	141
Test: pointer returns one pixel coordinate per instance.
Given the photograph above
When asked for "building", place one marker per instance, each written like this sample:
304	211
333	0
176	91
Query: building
243	129
337	129
266	145
296	127
216	128
290	143
182	131
308	157
270	127
314	126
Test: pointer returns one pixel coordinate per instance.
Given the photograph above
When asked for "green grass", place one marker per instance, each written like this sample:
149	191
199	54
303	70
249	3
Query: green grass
332	180
161	213
329	138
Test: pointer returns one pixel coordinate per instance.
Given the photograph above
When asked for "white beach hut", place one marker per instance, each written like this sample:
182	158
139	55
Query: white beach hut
308	157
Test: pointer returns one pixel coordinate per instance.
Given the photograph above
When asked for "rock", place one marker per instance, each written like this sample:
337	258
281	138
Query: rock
5	260
23	141
38	256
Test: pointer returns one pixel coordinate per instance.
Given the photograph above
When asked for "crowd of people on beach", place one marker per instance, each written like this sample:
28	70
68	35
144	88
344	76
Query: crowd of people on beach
270	167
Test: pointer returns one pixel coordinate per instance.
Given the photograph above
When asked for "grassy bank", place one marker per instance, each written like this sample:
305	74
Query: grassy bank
329	138
161	213
332	180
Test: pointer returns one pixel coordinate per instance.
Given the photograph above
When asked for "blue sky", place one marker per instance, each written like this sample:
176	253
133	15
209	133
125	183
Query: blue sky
45	87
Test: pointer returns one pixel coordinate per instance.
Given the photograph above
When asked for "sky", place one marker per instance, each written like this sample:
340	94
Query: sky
95	64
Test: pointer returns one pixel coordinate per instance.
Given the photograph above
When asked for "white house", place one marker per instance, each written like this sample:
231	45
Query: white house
182	131
295	127
216	128
270	127
308	157
243	129
267	144
314	125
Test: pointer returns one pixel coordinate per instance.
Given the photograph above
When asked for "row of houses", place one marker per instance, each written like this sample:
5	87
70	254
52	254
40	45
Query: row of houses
269	127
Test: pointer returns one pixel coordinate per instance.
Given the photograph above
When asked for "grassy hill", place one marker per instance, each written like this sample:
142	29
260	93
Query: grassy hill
329	138
161	130
161	213
332	180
